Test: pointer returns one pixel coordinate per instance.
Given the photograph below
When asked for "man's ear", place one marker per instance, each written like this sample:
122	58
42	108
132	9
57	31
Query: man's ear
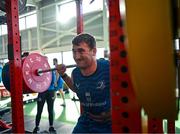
94	51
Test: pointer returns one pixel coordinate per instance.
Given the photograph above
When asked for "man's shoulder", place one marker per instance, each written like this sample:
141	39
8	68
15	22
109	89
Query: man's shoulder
76	70
103	61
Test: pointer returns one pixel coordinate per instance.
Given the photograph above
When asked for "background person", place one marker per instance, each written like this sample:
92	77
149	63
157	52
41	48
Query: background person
48	96
55	63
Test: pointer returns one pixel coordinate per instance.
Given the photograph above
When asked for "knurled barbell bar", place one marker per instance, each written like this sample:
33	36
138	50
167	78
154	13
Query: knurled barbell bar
40	71
36	73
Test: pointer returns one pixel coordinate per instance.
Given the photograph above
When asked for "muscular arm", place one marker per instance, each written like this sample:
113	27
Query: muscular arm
69	82
61	68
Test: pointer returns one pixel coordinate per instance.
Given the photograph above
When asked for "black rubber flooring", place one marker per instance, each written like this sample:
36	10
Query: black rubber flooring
29	121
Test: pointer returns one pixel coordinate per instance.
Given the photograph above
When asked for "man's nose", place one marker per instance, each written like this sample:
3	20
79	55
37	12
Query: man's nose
77	55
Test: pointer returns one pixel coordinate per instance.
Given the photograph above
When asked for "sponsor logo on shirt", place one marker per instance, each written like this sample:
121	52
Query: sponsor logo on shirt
94	104
101	85
88	96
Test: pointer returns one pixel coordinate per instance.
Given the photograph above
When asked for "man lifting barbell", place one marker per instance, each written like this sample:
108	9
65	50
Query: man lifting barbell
90	81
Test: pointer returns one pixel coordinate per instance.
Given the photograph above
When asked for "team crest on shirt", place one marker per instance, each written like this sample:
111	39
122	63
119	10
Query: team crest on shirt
77	85
101	85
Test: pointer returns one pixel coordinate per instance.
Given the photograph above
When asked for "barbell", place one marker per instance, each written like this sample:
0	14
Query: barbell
36	73
33	81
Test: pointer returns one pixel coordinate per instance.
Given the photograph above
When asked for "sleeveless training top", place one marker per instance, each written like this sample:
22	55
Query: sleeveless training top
94	91
54	80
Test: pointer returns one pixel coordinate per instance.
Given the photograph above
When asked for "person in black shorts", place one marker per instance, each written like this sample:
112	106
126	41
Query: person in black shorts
49	97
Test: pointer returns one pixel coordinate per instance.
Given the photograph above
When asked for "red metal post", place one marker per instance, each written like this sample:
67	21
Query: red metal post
171	126
79	10
14	56
155	125
126	113
80	27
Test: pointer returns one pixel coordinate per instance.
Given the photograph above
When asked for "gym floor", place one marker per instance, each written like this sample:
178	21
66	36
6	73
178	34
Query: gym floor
65	118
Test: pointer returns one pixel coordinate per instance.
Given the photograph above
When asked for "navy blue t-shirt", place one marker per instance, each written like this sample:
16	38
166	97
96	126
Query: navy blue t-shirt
94	91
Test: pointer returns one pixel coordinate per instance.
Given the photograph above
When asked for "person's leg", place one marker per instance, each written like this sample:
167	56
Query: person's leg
62	95
50	103
40	105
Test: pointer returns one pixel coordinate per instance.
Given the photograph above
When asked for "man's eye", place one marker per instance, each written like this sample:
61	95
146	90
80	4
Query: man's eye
81	51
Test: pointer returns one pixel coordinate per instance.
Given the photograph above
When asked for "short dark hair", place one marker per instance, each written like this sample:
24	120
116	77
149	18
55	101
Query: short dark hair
84	37
55	59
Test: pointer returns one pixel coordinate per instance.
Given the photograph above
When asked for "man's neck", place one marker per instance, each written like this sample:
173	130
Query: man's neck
90	70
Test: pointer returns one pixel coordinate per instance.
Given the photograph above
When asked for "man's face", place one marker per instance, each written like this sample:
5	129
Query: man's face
83	55
54	62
